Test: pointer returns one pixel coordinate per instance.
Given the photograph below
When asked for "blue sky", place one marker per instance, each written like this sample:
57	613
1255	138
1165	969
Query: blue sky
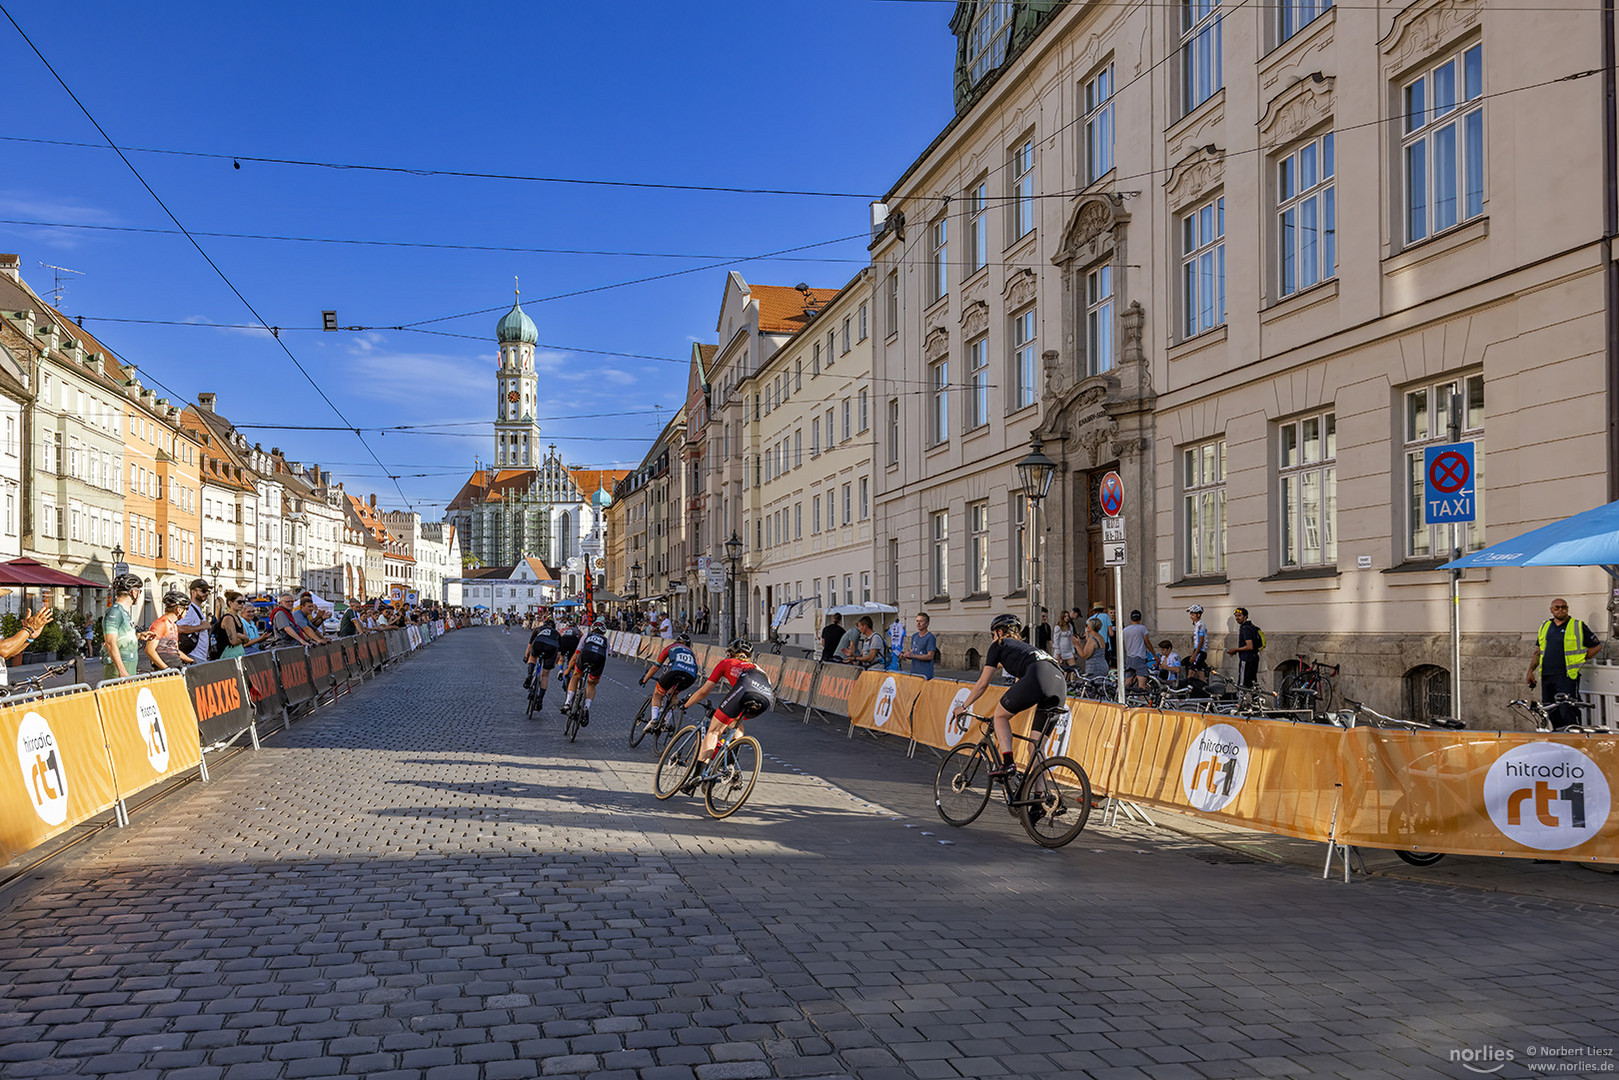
835	96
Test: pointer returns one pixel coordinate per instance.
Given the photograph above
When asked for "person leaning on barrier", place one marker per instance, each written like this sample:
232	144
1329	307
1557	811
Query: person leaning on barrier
872	650
1561	646
1040	684
832	637
924	649
234	627
32	624
120	643
163	644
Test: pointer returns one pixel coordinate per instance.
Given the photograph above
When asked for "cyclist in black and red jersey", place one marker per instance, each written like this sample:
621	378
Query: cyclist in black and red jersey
568	641
679	671
1040	684
748	693
543	646
589	660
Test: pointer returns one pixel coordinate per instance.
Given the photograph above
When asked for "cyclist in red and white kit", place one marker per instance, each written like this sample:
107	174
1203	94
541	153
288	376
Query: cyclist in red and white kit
748	693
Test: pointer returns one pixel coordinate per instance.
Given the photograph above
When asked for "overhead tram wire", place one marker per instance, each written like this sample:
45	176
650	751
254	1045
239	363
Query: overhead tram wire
177	223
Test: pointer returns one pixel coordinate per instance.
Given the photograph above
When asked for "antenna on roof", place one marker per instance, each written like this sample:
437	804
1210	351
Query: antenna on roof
56	293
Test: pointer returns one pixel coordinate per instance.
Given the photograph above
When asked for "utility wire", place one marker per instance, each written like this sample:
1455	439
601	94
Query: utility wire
177	224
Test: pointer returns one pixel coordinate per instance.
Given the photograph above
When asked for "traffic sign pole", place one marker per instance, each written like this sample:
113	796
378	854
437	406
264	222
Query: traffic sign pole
1111	497
1454	433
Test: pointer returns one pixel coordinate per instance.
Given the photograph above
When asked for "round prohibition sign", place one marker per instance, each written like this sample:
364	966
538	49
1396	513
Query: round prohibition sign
1111	495
1449	473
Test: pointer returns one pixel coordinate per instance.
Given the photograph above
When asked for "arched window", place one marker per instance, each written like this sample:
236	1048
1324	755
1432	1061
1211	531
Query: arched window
1427	692
565	538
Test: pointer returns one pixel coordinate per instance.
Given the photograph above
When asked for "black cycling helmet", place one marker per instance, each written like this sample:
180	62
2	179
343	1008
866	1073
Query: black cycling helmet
684	639
1006	622
126	583
175	598
740	647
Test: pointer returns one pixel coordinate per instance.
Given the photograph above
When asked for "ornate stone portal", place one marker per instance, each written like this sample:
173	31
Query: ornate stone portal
1098	416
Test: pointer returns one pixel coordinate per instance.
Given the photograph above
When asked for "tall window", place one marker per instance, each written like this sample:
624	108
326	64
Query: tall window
848	504
1098	104
977	382
831	346
865	498
798	447
939	402
1443	145
1099	320
1203	266
815	514
1201	73
1203	491
815	437
815	360
846	420
1307	216
1297	14
1023	359
1427	421
845	347
864	411
893	571
1022	189
977	229
978	558
891	304
986	41
1019	515
938	263
893	431
798	375
939	553
863	322
1307	474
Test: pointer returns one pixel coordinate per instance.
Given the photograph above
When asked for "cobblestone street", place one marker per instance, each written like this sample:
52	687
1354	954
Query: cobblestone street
418	882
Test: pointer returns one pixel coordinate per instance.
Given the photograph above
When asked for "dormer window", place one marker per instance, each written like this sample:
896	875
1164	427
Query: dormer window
986	44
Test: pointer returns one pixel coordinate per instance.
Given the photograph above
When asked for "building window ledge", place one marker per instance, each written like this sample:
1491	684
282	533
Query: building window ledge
1417	566
938	601
1213	102
975	432
976	598
1318	293
1302	579
1415	255
934	448
1218	582
1186	347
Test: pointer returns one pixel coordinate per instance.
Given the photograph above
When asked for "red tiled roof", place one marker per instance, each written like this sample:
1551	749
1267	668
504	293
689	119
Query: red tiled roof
781	307
539	568
480	488
588	480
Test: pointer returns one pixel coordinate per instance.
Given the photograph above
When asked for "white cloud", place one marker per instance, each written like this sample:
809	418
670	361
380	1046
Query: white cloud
430	380
23	204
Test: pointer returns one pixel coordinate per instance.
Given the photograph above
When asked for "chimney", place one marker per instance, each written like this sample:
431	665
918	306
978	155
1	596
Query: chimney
11	266
205	402
373	501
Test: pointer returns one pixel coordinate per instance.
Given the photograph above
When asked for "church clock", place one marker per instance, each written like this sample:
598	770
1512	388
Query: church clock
511	396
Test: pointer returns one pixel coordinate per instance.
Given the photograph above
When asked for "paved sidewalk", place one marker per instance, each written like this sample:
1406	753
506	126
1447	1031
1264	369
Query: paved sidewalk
417	882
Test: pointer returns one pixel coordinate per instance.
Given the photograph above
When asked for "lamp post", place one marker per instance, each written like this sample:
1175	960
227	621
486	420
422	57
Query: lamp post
733	556
1035	471
213	571
635	588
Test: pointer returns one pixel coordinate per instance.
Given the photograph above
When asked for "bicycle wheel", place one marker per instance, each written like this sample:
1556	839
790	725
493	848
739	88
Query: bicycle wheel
735	774
1399	827
530	714
642	721
1063	792
677	761
1323	696
962	788
1288	696
575	712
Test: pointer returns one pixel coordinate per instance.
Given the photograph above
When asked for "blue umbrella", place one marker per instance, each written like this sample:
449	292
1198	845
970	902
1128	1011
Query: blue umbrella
566	603
1590	538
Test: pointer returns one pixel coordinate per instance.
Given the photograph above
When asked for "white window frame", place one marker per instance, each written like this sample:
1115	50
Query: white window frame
1096	105
1306	216
1018	517
1434	129
987	37
891	304
893	431
1203	528
977	382
1307	491
1202	262
1025	338
1294	15
939	552
1202	70
1099	319
1424	426
977	227
939	259
939	401
1021	201
978	549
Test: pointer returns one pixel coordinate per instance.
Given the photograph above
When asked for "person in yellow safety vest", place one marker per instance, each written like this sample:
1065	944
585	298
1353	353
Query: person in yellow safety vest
1562	645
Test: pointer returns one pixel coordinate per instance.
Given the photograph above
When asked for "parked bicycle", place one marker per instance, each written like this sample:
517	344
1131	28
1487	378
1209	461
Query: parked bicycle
36	683
1309	686
1051	798
1541	716
727	778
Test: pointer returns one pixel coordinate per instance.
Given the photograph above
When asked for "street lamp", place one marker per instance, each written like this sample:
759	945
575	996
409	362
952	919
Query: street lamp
635	587
1035	471
213	571
733	556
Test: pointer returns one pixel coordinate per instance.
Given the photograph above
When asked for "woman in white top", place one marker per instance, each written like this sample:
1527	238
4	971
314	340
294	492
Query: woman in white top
1062	642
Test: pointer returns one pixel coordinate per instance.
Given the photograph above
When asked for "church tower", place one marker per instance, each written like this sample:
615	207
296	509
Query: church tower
517	435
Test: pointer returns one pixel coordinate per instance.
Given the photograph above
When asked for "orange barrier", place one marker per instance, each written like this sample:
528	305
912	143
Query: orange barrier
797	679
930	716
151	730
1092	737
1272	775
770	664
61	776
833	689
882	701
648	647
1520	794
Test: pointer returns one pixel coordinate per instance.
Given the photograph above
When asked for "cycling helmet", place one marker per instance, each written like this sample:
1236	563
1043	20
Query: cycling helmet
684	639
126	583
175	598
1006	622
1195	609
740	647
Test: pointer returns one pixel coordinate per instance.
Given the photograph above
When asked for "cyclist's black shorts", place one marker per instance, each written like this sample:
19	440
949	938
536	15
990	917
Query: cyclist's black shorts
751	696
1041	687
676	681
569	644
545	658
592	664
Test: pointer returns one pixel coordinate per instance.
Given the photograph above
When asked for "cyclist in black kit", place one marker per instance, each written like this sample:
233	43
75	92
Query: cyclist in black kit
1040	684
543	646
590	660
568	637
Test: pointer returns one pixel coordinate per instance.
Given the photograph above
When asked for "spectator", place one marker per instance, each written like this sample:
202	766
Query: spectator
831	638
1137	649
1063	642
849	646
896	642
285	626
1042	633
163	636
1247	650
1093	650
196	622
1099	611
307	616
234	628
924	650
872	649
347	627
1561	647
1197	661
119	641
1169	663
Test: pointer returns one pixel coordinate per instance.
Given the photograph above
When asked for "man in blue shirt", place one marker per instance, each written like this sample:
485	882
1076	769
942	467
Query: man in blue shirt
924	650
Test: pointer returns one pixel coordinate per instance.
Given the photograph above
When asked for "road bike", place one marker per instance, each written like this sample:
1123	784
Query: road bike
1309	686
1052	797
36	684
1541	715
728	777
643	724
574	713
